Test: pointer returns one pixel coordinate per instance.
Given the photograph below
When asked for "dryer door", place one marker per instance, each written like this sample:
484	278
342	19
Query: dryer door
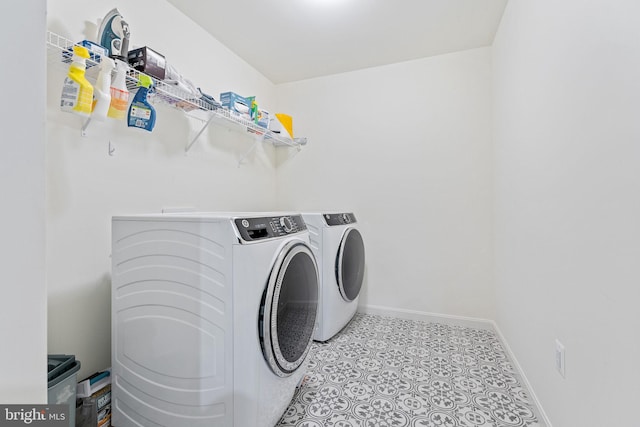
350	264
289	307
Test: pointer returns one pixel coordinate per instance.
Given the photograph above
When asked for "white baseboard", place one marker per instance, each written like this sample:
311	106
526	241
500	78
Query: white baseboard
470	322
525	381
401	313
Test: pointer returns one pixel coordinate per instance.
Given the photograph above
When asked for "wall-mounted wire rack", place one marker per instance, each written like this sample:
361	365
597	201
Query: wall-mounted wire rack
59	51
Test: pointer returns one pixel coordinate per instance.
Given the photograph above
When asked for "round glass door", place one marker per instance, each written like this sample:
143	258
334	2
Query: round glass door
350	264
288	310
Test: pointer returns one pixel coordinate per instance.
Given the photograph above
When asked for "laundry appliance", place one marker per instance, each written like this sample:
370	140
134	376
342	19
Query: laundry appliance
339	249
212	317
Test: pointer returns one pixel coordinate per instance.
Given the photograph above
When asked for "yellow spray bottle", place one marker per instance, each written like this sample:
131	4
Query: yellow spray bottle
77	92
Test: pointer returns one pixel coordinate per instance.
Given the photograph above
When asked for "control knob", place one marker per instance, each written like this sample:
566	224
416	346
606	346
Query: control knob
345	218
287	224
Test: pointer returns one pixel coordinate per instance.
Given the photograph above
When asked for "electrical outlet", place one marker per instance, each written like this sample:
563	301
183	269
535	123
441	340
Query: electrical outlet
560	358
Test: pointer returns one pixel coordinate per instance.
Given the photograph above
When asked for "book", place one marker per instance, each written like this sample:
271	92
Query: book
93	383
95	410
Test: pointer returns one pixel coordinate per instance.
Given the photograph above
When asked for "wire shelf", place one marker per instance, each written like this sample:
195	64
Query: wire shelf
59	52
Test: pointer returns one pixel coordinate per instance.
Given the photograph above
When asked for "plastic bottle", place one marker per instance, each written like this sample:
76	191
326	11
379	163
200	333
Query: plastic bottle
119	92
102	91
142	114
253	108
77	92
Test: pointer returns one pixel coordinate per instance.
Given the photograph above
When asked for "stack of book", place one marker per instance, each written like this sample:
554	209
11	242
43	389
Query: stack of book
93	404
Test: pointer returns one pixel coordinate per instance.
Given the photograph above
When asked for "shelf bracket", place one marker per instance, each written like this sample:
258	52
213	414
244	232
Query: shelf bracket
195	138
83	130
249	151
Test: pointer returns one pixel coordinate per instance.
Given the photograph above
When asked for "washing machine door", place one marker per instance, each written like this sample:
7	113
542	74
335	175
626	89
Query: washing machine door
289	307
350	264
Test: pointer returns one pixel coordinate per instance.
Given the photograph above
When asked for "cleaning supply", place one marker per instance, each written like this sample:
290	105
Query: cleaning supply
77	92
142	114
102	90
263	118
283	125
119	92
236	104
253	108
114	35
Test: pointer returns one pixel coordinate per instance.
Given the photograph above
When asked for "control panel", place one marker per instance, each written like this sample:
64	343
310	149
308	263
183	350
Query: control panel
339	218
252	229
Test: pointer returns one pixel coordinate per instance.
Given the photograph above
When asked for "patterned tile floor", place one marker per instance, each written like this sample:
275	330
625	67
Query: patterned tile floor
389	372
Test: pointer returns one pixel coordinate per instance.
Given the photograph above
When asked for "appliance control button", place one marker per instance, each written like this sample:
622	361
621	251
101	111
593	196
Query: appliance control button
345	218
287	224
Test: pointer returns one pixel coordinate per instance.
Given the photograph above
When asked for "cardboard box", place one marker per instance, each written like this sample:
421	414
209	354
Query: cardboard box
148	61
96	53
263	118
236	104
95	411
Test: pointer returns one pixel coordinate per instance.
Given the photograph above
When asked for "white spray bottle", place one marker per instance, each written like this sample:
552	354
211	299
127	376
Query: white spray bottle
119	92
102	90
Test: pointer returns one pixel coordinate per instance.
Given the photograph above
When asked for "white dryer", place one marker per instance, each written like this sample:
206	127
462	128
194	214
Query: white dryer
339	250
212	318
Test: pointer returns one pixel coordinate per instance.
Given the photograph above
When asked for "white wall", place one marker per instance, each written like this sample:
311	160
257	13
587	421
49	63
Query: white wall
407	147
23	303
567	144
148	172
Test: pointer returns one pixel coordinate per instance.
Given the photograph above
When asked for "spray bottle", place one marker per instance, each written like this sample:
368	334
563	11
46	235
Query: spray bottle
253	108
119	92
102	91
142	114
77	92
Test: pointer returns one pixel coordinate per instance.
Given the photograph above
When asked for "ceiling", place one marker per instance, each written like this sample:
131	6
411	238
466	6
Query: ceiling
289	40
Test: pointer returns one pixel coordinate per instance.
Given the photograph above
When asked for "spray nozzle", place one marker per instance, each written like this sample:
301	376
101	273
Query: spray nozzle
145	81
121	66
107	64
81	51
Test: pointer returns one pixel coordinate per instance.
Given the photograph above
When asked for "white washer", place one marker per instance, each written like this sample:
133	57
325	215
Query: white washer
212	318
339	250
